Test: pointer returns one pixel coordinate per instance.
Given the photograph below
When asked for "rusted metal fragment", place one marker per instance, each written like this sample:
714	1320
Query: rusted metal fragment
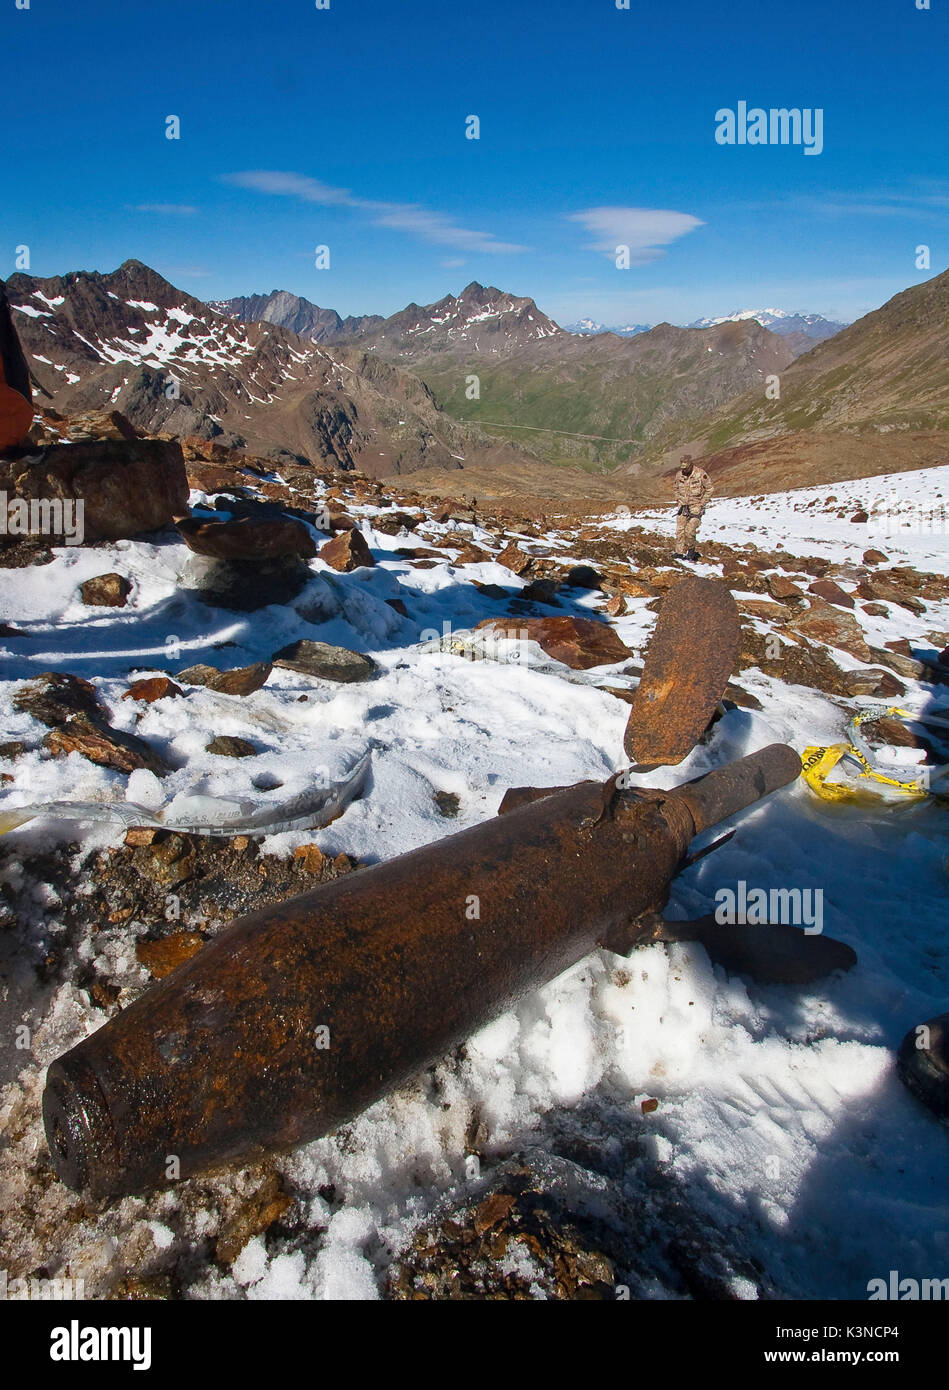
770	952
301	1015
691	657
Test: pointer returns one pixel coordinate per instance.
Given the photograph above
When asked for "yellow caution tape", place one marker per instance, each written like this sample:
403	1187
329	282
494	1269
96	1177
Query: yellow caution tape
818	761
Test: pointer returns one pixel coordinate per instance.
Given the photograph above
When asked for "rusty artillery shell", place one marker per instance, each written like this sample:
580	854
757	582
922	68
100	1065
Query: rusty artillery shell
223	1060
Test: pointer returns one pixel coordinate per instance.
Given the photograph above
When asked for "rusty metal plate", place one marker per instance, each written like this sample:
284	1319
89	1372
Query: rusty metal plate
691	657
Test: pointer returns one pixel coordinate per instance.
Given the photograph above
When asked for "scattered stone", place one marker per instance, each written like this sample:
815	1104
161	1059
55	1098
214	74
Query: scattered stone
347	552
906	666
541	591
152	689
831	593
859	518
741	697
269	1204
764	608
94	738
99	424
248	538
616	605
226	746
882	684
875	610
324	661
399	607
782	588
448	804
311	858
161	957
12	749
875	557
240	680
579	643
56	696
514	559
139	835
824	623
170	859
582	577
106	591
880	589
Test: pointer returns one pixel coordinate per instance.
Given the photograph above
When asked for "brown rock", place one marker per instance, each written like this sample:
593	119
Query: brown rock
95	739
170	859
831	593
580	643
875	557
859	517
160	958
883	684
140	836
56	696
225	746
492	1211
764	608
240	680
824	623
880	589
248	538
127	487
106	591
906	666
268	1204
782	588
152	689
347	552
312	859
514	559
616	606
399	607
99	424
875	610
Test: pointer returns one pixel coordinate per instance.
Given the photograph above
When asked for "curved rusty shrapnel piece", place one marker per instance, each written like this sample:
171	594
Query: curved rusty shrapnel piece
221	1061
690	659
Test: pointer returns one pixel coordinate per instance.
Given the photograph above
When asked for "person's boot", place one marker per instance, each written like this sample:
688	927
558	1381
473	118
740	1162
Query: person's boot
923	1064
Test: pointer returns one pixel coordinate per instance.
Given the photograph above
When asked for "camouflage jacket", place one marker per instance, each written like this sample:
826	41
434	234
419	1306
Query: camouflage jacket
693	491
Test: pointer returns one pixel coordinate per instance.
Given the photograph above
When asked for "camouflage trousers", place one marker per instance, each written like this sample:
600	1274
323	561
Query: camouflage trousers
687	528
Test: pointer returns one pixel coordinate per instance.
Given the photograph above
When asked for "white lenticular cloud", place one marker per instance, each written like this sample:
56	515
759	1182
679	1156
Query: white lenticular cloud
644	230
405	217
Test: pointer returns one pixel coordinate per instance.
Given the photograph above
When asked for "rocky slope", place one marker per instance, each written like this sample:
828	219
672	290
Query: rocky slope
870	399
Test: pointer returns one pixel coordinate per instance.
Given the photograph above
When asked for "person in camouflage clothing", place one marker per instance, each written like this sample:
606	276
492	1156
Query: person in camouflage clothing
692	489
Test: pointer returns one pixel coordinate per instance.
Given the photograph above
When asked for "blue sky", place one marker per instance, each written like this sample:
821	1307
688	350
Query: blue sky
346	127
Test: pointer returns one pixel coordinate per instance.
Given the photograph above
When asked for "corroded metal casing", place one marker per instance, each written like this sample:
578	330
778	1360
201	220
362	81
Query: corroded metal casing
296	1018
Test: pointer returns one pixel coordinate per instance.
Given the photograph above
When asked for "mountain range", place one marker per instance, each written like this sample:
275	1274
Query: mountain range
288	310
486	382
132	342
